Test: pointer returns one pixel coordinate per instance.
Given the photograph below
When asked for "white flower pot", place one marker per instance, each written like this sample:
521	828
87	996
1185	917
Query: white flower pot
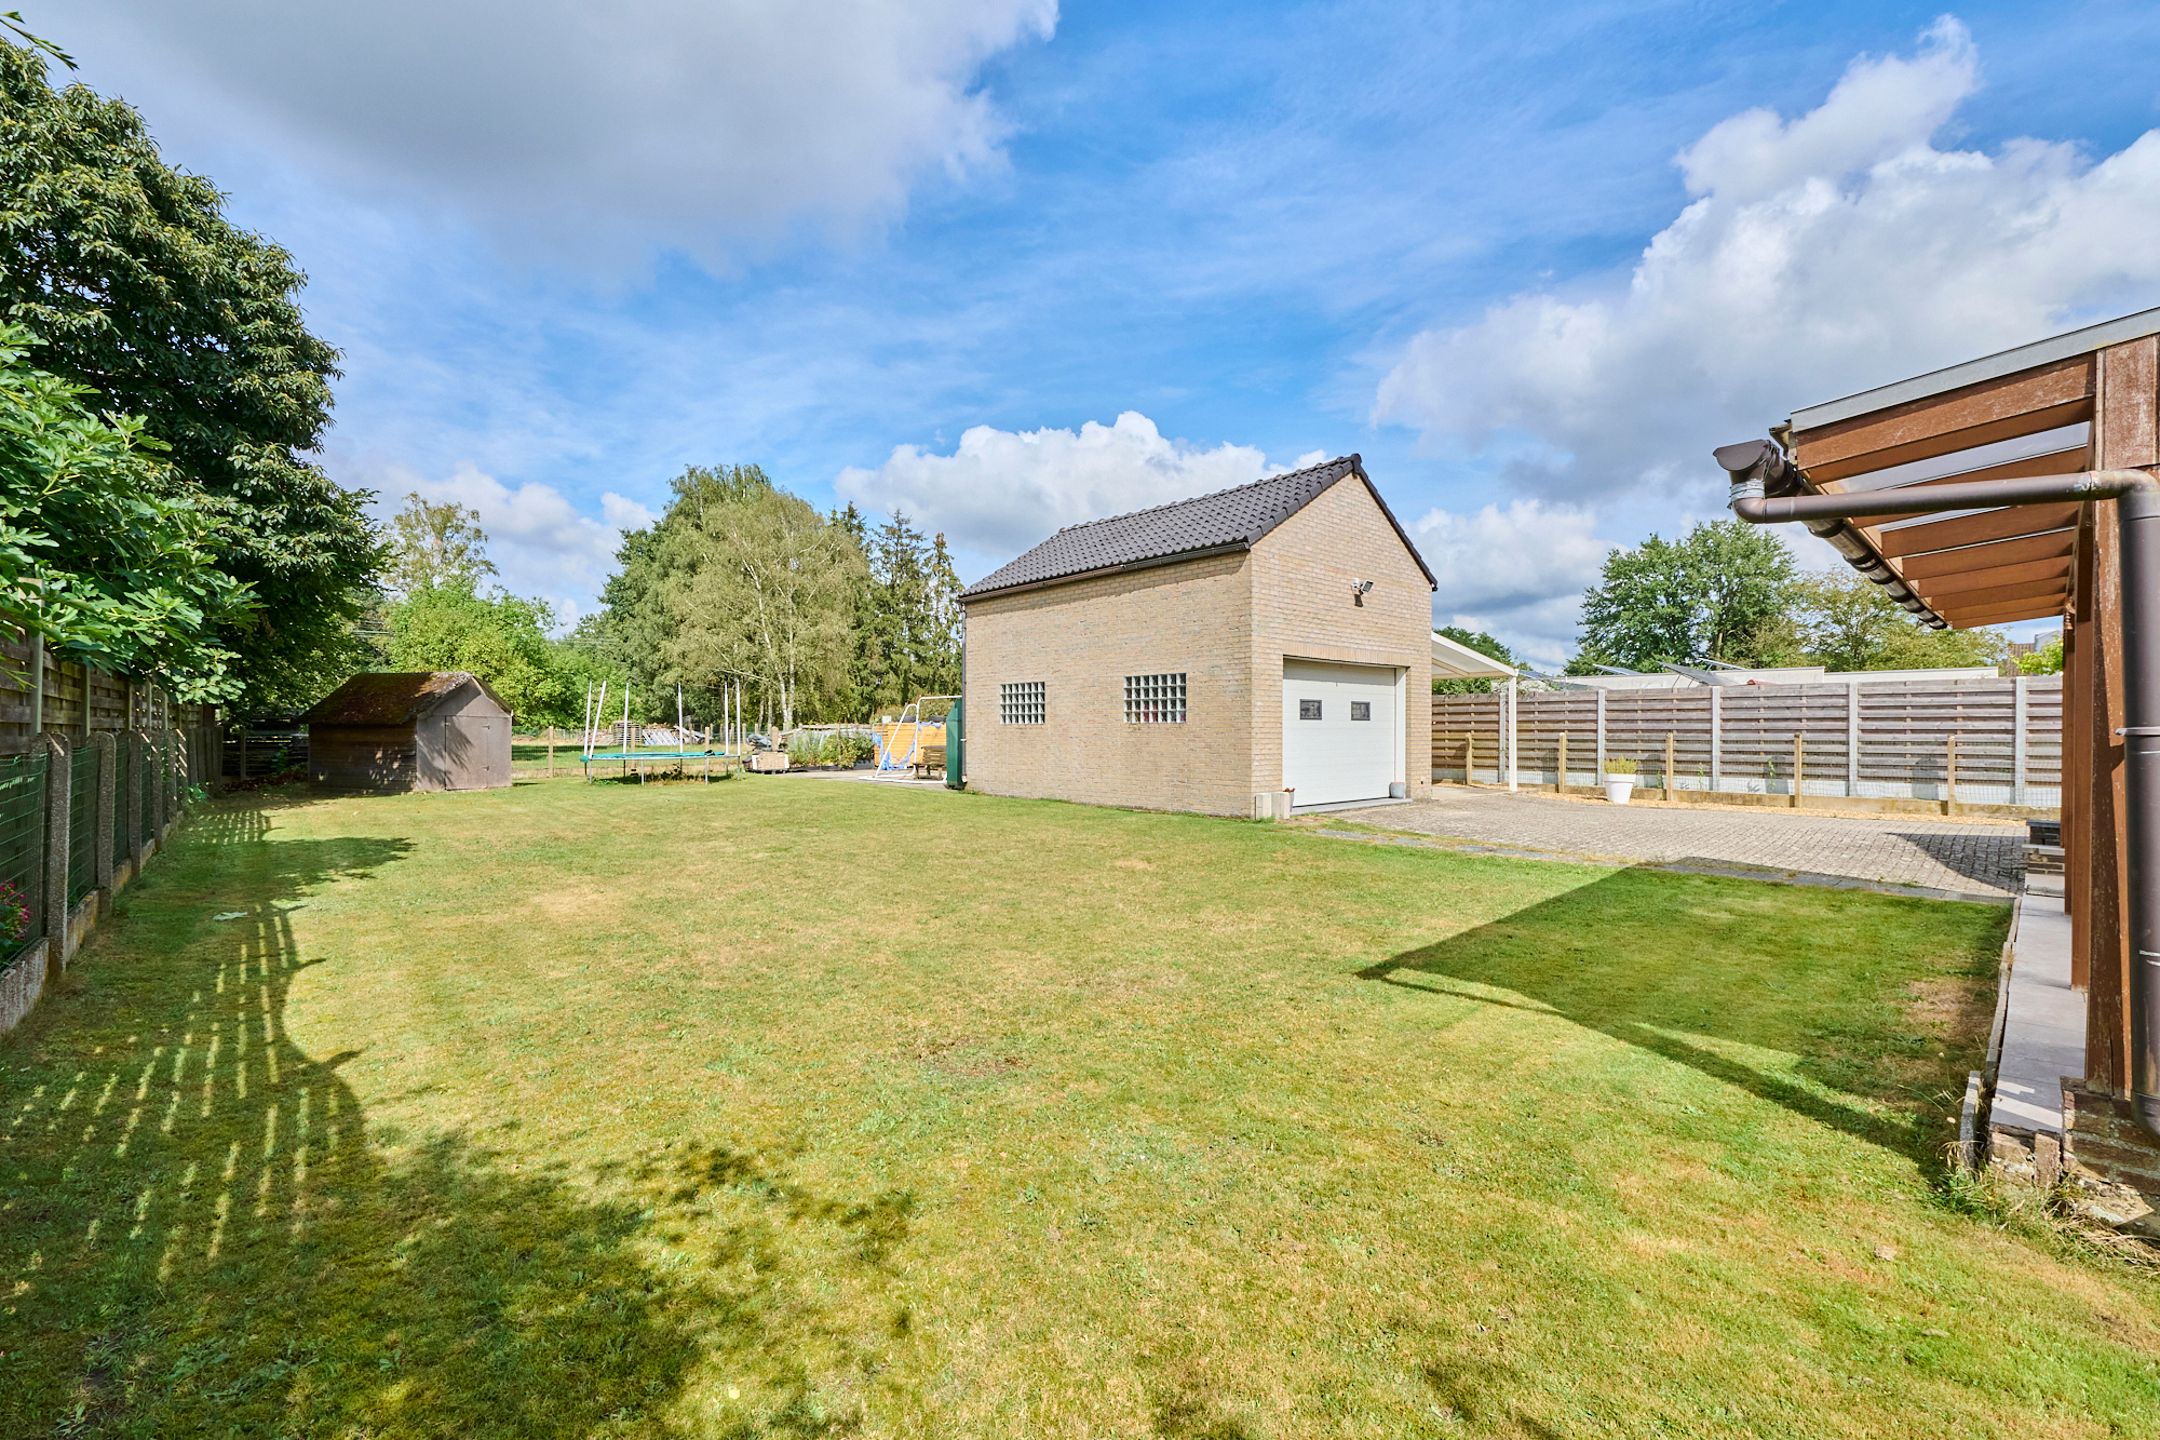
1619	788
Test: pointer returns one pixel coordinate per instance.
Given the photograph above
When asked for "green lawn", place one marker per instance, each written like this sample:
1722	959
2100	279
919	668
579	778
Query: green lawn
801	1108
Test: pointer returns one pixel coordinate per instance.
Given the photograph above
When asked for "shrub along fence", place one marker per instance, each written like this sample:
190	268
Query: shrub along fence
94	773
1994	742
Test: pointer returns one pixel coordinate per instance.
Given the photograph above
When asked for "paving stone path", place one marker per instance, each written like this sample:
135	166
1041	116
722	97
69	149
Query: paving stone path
1975	858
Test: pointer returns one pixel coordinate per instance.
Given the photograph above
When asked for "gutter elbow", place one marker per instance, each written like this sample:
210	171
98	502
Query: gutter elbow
1750	466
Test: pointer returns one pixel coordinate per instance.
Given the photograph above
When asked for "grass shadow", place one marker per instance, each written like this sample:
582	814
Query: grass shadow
1802	982
203	1233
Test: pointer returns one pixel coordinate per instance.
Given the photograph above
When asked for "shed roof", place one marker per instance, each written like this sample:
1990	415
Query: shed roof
1233	519
394	697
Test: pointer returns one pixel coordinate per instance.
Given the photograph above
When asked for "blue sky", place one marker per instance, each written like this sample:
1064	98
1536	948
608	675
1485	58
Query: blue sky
1532	262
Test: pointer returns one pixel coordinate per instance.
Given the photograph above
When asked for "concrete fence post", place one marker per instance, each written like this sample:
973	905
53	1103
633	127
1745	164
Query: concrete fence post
138	817
156	792
1560	764
1668	764
178	778
1852	738
1717	737
108	794
2019	711
54	902
1599	777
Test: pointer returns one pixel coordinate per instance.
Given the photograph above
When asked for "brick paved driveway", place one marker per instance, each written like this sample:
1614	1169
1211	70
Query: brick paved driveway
1965	857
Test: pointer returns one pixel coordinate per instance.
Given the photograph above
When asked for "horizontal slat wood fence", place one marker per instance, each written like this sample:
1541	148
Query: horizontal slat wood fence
1892	740
81	702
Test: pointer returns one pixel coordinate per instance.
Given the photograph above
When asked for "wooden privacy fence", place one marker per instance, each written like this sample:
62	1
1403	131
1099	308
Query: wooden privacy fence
1995	741
94	773
264	752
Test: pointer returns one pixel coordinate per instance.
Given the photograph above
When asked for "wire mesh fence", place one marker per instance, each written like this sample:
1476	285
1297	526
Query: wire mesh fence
22	850
83	776
125	811
145	786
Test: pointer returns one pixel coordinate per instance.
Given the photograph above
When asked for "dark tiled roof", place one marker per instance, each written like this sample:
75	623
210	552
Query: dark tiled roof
392	698
1227	519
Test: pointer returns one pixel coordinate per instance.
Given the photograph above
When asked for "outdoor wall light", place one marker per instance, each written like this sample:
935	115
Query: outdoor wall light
1359	589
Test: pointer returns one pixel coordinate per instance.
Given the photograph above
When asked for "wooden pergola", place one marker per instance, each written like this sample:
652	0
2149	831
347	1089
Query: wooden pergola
2081	402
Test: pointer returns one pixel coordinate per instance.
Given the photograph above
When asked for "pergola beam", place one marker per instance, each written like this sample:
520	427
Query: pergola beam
1982	414
2054	545
2067	461
2004	594
2004	524
2045	608
1949	588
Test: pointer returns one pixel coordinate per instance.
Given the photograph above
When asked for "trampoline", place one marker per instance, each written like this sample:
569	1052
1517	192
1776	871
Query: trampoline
638	762
641	761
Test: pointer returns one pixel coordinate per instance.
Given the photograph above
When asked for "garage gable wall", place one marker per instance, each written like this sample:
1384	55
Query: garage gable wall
1303	608
1081	639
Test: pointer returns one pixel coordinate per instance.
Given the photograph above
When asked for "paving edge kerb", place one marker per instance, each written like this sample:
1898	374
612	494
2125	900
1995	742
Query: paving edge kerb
1730	870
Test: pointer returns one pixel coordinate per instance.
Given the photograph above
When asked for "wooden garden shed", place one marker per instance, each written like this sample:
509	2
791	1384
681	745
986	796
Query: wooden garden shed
417	730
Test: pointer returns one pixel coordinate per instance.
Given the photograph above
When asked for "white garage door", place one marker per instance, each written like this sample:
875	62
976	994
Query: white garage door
1339	732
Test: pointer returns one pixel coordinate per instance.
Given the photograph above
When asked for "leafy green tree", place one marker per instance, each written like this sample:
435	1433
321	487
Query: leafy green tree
630	631
436	544
943	621
907	626
1922	647
1847	622
139	287
1723	591
771	600
2047	660
502	639
102	555
1484	644
739	582
581	663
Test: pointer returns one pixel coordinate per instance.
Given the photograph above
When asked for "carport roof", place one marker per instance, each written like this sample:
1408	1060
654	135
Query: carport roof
1234	519
1453	660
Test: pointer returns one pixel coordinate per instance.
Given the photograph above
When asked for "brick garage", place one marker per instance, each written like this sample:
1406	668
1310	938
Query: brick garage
1206	654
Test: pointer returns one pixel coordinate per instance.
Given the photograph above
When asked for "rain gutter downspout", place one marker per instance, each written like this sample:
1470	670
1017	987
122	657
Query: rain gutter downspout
1767	488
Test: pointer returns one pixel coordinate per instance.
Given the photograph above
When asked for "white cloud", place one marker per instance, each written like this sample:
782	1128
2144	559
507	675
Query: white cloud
1001	491
696	124
542	545
1821	255
1516	571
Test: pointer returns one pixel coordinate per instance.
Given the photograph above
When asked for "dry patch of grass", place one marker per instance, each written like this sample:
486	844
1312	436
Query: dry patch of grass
789	1108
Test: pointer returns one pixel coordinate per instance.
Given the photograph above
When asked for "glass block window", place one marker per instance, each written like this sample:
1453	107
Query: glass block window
1361	709
1021	702
1155	699
1308	709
